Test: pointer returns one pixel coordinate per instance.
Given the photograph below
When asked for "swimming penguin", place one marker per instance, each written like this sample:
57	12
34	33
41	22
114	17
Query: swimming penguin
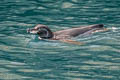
65	35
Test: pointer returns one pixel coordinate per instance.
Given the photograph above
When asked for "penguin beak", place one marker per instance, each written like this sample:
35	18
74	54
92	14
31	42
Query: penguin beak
32	31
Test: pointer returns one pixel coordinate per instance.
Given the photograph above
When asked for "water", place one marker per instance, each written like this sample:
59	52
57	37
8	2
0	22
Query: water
24	57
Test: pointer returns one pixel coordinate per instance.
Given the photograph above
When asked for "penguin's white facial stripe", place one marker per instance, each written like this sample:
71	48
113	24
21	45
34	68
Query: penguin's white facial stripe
33	32
39	38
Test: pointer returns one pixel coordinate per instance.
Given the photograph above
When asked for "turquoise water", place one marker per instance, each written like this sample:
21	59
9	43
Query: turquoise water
24	57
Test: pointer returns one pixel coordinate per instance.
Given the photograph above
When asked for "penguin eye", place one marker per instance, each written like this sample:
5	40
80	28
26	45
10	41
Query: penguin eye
41	31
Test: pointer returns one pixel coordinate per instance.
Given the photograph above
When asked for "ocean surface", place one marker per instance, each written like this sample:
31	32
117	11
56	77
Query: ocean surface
24	57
